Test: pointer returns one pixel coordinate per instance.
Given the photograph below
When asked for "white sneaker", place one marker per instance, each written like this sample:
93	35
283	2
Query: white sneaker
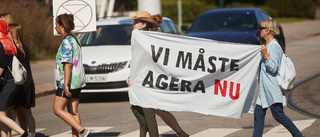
85	133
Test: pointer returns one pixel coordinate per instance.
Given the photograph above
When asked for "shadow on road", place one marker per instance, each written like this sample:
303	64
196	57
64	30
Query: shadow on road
103	97
41	135
105	134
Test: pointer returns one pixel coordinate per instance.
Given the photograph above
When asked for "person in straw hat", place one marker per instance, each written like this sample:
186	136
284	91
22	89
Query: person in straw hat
146	116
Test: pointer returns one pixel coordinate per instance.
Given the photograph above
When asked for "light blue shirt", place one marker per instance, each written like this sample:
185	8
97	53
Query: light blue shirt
269	90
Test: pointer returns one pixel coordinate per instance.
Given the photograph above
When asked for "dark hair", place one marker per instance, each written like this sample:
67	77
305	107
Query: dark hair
66	21
158	19
151	27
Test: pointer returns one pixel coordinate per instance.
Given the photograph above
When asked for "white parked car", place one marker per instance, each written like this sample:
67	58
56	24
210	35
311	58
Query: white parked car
107	54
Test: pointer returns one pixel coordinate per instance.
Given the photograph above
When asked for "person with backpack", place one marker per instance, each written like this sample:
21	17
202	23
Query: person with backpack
7	84
270	94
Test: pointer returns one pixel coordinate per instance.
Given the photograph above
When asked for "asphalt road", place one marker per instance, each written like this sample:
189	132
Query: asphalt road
110	113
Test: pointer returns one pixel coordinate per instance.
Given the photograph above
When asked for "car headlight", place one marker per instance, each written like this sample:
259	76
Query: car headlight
121	65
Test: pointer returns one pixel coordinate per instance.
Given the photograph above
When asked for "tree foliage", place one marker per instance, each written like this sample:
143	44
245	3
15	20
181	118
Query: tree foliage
37	27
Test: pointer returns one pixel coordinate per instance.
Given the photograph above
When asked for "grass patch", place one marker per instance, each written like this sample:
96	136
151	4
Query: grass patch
290	19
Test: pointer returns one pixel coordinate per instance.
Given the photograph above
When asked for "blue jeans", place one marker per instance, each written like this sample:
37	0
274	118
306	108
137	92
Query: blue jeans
278	114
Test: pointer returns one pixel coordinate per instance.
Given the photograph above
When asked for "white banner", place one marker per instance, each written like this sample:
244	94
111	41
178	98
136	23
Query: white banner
180	73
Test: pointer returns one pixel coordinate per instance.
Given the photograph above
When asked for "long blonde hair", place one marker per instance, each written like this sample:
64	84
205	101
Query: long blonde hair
16	32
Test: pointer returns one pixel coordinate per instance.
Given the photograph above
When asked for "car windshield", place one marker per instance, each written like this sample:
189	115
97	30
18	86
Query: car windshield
108	35
224	22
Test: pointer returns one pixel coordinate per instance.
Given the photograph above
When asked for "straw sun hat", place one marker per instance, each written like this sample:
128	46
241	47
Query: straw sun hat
143	16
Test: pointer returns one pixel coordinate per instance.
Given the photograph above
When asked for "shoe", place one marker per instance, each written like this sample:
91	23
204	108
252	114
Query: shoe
31	134
85	133
25	134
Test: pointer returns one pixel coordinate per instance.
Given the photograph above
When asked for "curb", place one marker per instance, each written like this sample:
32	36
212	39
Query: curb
44	93
44	89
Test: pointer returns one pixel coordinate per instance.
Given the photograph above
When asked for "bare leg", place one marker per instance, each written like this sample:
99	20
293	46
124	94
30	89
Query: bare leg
21	119
73	110
58	109
30	120
5	131
171	121
10	123
26	119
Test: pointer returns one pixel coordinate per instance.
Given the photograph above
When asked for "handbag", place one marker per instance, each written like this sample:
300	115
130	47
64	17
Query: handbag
18	71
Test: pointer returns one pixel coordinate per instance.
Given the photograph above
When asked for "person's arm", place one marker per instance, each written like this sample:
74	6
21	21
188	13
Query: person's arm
1	71
66	49
67	74
274	59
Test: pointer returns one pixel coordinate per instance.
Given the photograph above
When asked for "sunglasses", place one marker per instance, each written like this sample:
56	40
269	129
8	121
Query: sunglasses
261	28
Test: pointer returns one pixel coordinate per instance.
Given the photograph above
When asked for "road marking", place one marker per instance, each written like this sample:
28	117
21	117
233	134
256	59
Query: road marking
281	131
93	130
217	132
278	131
162	129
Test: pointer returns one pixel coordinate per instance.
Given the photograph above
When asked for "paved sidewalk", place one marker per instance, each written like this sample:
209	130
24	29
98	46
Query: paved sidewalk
42	73
45	89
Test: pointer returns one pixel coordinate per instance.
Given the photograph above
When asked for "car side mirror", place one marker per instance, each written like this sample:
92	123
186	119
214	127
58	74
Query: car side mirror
184	27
